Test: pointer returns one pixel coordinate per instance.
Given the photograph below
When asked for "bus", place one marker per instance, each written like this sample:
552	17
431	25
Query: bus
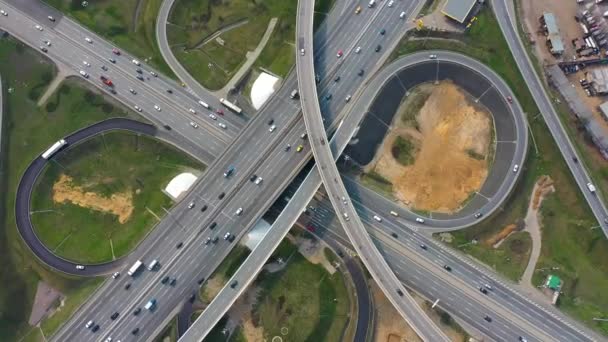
135	268
54	149
231	106
204	104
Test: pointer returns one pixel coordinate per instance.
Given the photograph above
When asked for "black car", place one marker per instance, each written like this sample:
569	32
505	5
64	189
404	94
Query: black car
212	225
179	245
112	60
128	286
483	290
136	312
317	78
172	282
169	91
270	122
204	207
231	238
288	147
423	247
399	292
378	48
192	298
575	159
447	268
253	178
200	281
140	77
135	331
165	280
167	127
207	241
220	196
114	316
139	71
328	97
95	328
215	239
337	79
488	318
104	68
394	235
44	49
234	284
360	73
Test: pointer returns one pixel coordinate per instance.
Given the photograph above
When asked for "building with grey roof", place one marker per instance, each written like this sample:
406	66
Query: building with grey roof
554	39
598	77
458	9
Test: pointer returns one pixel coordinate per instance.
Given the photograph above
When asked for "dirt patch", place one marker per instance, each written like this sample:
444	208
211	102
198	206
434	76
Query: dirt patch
390	326
119	204
240	314
213	286
45	297
314	252
451	138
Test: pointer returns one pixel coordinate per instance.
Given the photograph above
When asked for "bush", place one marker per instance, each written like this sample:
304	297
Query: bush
51	106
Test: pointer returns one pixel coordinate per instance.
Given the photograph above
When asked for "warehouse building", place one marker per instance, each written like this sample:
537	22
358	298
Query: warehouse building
598	77
554	39
458	10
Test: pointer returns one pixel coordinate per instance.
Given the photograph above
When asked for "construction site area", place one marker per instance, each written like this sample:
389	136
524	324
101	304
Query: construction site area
438	150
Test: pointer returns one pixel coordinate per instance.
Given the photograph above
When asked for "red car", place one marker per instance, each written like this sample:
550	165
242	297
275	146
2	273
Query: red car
510	99
116	52
340	53
220	111
310	228
107	81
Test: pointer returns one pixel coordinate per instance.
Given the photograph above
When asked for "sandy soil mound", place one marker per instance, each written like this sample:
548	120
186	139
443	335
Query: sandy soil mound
119	204
453	145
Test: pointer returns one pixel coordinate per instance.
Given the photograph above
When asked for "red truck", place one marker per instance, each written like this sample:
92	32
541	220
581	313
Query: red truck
107	81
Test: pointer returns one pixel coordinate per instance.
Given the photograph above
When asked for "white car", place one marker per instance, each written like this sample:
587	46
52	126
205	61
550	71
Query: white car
193	124
212	116
432	56
136	62
79	267
88	40
137	108
222	125
87	64
272	128
394	213
226	236
515	168
84	74
153	74
190	205
377	218
419	220
89	324
192	111
347	98
132	91
51	18
3	12
358	49
402	15
157	108
301	52
238	212
47	43
38	27
391	3
258	181
115	275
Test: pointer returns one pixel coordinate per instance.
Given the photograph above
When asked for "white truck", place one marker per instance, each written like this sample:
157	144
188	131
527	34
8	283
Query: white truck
591	187
135	268
150	305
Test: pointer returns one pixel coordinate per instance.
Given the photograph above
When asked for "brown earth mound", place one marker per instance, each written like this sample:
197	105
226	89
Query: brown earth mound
453	144
119	204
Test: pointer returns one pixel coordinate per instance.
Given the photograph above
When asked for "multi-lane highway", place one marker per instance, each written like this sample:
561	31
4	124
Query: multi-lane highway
371	257
248	158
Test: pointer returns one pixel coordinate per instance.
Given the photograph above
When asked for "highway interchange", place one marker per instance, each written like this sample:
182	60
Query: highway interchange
205	192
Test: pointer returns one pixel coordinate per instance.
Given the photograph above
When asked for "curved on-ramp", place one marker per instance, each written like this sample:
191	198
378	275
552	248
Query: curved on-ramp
28	181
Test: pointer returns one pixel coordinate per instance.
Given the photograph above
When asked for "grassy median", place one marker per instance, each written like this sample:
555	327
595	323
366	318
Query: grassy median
568	243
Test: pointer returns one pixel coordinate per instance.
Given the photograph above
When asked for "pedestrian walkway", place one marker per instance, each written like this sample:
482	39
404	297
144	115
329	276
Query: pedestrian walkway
61	75
251	57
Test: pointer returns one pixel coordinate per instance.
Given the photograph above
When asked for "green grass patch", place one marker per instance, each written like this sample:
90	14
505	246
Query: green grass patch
120	22
120	164
376	182
568	243
403	150
304	299
233	261
27	131
169	334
